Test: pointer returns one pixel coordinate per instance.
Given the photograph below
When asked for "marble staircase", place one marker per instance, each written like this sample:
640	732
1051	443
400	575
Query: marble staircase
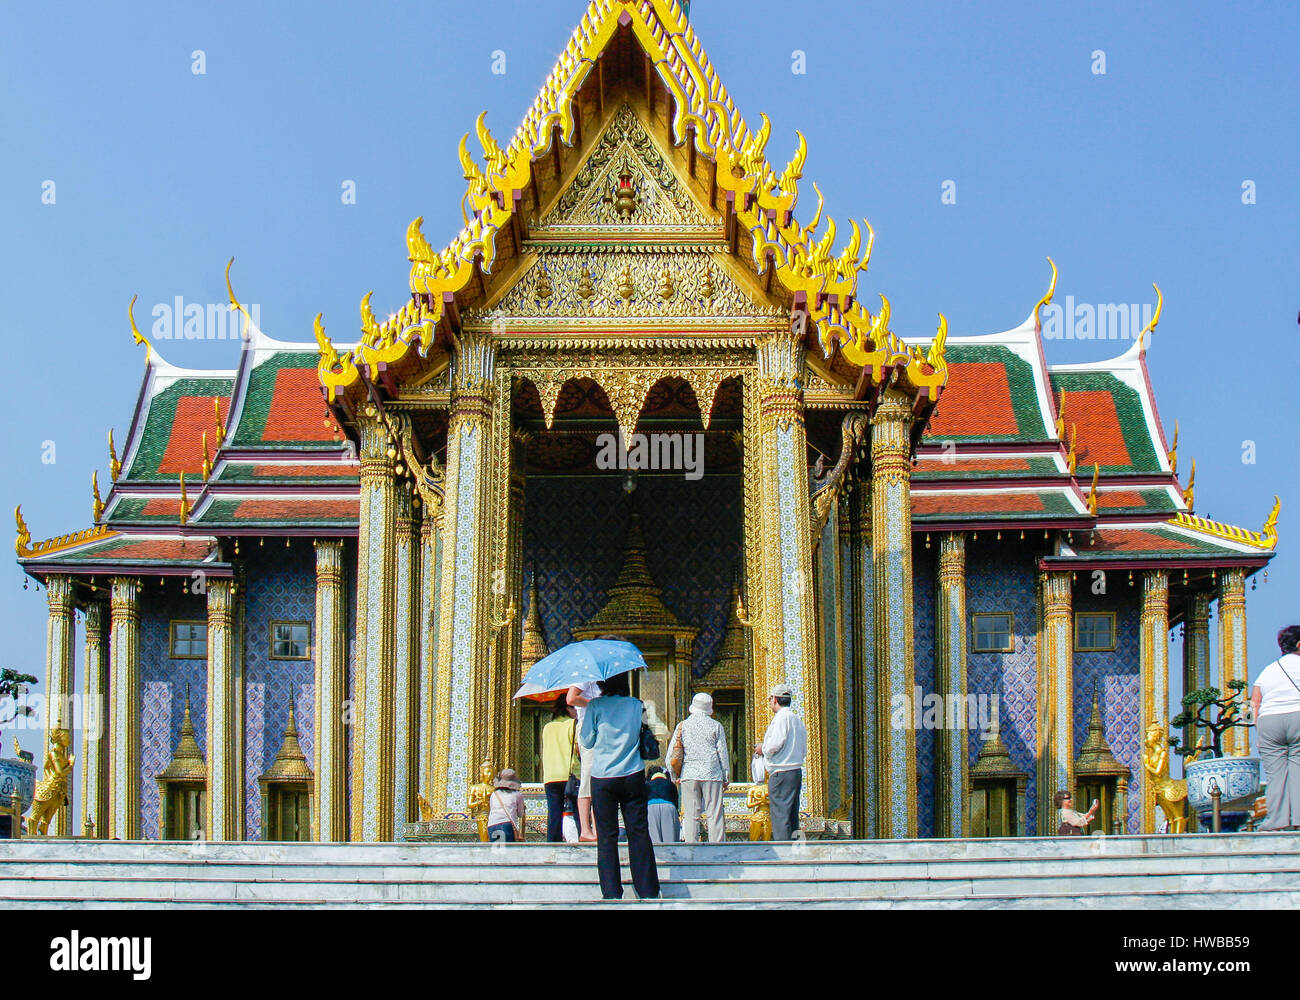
1201	871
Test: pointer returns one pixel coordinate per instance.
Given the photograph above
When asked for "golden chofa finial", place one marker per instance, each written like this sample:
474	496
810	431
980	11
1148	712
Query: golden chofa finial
871	242
221	424
329	355
1173	451
1046	299
139	337
96	504
24	534
1189	494
235	305
1155	318
1269	534
207	459
937	348
114	466
185	502
1092	494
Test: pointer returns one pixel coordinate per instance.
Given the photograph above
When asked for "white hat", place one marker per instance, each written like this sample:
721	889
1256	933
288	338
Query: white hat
781	691
702	703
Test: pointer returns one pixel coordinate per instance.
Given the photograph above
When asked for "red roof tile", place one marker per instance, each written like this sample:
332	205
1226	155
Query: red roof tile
158	548
293	471
297	411
1135	541
1101	439
976	400
184	451
269	509
983	464
959	503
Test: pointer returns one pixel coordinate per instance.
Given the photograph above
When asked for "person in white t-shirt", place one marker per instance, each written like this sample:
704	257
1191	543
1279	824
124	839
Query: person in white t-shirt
1275	702
579	696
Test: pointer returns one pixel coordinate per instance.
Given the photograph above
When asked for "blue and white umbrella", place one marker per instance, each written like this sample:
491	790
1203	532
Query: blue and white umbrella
579	663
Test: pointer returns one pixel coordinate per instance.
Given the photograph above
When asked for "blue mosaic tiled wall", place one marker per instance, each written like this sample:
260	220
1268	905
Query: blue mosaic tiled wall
1001	577
574	528
830	621
923	608
350	589
162	689
281	586
1116	676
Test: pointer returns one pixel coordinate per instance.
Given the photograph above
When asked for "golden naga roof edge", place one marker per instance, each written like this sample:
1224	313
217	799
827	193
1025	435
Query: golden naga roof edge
1265	539
763	203
25	550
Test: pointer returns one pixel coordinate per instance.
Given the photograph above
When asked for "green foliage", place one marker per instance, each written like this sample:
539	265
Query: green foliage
1197	706
12	686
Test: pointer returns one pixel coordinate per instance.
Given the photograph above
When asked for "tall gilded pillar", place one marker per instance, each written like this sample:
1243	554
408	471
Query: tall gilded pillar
376	641
866	723
507	662
1055	695
1196	651
953	816
891	536
1232	647
1153	668
329	811
59	639
94	746
124	706
834	630
788	604
406	623
224	804
466	587
430	578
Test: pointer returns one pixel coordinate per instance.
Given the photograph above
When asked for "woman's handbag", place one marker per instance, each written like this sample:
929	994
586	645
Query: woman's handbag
677	755
573	783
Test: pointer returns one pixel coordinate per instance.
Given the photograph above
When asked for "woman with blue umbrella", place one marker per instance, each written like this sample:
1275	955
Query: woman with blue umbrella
611	730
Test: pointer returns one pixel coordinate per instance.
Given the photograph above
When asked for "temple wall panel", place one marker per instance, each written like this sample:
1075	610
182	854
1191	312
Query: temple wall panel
350	589
162	687
574	532
923	608
831	627
1000	578
281	587
1116	675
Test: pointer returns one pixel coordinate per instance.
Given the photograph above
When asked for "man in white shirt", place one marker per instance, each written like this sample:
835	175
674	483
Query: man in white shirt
784	747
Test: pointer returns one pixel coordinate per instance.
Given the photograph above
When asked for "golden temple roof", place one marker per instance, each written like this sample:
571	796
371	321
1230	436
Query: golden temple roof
730	669
1095	758
534	640
994	760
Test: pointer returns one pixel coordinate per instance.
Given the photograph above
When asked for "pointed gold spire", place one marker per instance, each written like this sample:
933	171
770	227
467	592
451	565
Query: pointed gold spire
97	504
290	762
207	458
1173	451
221	424
187	762
1092	494
1060	418
1095	758
534	639
1189	494
1073	458
731	666
185	502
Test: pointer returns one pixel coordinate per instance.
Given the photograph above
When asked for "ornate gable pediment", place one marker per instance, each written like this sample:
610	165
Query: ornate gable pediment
626	184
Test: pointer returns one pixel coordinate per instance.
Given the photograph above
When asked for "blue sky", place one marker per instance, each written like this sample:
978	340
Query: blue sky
1125	177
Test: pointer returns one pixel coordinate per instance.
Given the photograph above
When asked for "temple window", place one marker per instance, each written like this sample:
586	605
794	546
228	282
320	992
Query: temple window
290	641
1094	631
189	640
991	633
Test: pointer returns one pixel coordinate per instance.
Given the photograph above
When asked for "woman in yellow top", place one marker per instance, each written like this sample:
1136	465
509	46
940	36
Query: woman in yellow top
559	763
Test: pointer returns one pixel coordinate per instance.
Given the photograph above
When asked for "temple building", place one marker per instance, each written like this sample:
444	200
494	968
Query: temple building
316	579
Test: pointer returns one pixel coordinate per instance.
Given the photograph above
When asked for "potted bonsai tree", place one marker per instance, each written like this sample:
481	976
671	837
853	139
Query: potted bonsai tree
17	772
1212	713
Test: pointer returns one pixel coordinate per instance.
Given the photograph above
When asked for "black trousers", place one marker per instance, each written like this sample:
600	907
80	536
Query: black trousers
608	795
783	789
555	811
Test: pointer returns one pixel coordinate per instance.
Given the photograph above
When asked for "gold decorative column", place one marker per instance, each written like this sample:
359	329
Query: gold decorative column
375	681
1232	648
329	812
406	623
866	724
755	583
833	631
465	597
124	706
1055	695
59	639
787	518
508	660
952	817
94	713
1196	651
891	535
430	580
224	806
1153	668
